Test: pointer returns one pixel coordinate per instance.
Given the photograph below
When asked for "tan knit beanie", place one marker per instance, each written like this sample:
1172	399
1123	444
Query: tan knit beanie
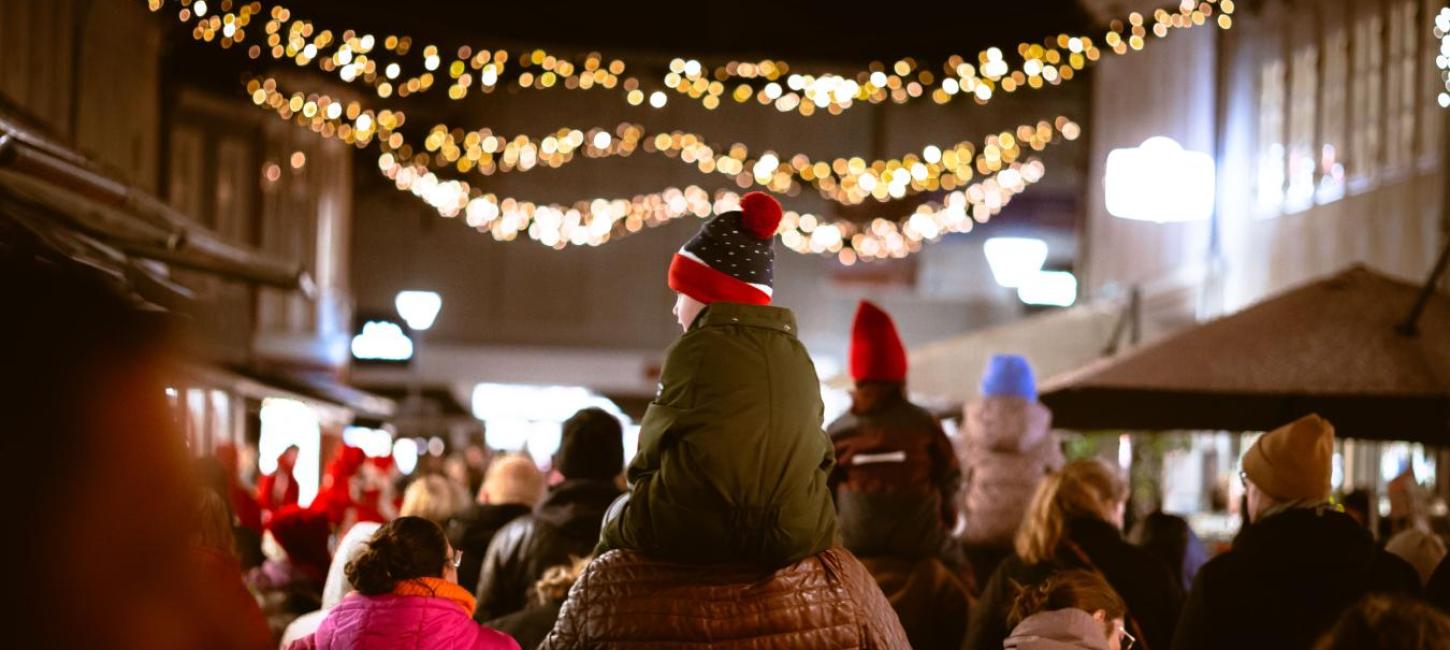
1294	461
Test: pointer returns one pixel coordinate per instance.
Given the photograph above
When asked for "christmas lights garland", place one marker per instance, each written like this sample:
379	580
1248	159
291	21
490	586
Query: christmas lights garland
594	222
357	58
849	181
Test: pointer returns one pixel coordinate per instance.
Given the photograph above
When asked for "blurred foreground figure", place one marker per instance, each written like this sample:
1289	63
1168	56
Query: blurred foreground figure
895	484
1389	623
105	521
1298	564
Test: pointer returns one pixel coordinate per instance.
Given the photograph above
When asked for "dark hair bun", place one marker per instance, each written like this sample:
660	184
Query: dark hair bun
405	548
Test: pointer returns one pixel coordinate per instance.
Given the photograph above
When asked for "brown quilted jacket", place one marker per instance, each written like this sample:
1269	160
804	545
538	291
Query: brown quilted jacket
825	602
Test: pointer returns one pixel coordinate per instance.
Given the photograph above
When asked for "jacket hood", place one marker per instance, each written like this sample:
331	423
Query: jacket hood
337	585
577	506
1063	629
1008	424
1321	539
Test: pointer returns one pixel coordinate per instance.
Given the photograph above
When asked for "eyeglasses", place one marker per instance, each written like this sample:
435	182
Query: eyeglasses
456	559
1126	641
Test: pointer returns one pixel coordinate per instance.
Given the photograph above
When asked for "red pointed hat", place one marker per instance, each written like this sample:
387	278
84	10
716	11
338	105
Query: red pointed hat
876	350
731	260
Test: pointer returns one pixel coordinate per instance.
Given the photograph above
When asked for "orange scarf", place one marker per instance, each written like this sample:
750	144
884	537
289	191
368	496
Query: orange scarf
436	588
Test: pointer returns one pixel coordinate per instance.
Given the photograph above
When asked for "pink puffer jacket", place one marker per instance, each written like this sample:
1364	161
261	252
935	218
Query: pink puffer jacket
395	622
1008	448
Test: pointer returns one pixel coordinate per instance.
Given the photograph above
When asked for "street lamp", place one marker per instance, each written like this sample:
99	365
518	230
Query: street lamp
1159	181
418	308
1014	260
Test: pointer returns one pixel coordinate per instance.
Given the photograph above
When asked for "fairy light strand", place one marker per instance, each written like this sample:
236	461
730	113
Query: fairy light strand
361	58
846	180
597	221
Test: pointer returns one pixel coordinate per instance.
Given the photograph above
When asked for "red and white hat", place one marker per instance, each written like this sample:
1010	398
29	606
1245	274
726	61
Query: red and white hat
730	259
876	350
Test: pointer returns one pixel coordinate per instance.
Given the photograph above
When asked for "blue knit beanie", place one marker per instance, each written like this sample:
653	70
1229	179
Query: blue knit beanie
1009	375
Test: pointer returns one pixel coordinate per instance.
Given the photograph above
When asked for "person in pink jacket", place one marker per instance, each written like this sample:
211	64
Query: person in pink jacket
407	598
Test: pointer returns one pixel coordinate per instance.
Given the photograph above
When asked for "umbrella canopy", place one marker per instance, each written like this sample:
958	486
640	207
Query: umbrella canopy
1330	347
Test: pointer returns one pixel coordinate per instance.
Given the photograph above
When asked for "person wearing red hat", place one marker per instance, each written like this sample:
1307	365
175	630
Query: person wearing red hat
895	481
732	462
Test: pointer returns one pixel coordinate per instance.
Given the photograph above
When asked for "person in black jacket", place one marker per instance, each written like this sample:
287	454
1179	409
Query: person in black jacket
1299	563
531	625
1074	521
1437	591
565	526
511	488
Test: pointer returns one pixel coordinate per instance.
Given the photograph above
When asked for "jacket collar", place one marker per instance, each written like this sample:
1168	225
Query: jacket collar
1093	534
779	319
436	588
1304	536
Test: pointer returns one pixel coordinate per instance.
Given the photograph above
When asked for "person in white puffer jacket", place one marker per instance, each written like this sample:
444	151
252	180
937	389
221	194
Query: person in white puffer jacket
1005	447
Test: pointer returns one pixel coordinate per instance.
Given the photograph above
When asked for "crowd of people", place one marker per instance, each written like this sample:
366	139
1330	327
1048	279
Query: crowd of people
743	521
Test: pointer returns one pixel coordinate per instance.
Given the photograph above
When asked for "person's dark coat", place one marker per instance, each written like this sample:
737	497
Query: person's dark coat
928	598
565	526
896	476
1437	591
529	626
1149	588
825	602
471	533
1285	582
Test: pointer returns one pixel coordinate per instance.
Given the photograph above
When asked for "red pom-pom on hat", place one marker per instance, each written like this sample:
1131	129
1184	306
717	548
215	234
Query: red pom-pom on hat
761	214
876	350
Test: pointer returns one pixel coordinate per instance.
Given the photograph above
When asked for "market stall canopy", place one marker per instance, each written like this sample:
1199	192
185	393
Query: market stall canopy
946	373
1332	347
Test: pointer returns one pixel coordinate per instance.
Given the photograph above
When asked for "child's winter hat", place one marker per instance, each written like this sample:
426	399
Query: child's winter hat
730	259
1009	375
876	350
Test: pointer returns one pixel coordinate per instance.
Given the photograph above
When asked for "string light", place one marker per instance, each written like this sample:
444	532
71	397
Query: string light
355	58
1442	59
594	222
845	180
597	221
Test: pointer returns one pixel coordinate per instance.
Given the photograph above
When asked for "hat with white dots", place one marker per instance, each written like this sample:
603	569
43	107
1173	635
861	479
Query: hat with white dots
730	259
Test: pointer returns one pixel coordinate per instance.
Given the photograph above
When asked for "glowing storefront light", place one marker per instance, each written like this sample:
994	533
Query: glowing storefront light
1049	288
405	455
519	417
419	308
1159	181
1015	259
382	341
287	423
376	443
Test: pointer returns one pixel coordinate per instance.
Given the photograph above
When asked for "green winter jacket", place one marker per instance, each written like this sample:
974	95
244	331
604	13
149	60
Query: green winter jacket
732	463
